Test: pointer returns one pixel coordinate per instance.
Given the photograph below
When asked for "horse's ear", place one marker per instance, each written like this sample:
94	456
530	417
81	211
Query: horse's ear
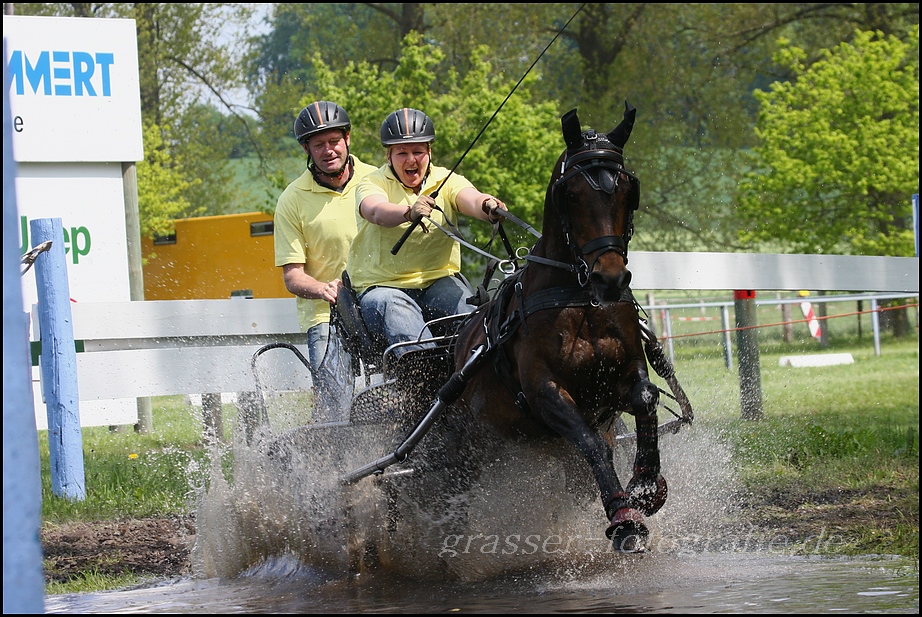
572	134
622	132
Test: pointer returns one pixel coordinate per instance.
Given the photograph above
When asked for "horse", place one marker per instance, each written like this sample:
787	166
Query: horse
560	344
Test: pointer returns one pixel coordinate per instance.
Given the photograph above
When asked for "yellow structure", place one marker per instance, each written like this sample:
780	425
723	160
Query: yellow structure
214	258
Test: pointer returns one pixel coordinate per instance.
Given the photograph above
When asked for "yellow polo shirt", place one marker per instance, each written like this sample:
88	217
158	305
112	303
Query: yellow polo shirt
314	225
425	257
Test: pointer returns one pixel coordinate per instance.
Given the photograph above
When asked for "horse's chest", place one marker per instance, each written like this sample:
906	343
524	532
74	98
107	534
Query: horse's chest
584	351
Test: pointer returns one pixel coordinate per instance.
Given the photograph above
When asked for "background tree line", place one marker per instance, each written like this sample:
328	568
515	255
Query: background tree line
783	127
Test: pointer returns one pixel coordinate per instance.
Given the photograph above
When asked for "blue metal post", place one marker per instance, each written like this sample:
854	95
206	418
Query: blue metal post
59	362
23	579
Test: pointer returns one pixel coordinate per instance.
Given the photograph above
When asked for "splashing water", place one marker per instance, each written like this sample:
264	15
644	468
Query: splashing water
528	507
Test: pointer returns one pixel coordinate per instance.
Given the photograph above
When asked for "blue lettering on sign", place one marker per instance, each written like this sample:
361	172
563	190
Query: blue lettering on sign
61	73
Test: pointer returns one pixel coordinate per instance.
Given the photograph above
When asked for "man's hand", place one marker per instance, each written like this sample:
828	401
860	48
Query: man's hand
330	290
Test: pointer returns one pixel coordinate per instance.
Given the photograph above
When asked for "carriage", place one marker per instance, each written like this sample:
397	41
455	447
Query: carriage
556	347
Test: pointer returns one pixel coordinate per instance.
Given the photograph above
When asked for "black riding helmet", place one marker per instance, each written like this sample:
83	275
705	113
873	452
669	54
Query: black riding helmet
407	126
320	116
317	117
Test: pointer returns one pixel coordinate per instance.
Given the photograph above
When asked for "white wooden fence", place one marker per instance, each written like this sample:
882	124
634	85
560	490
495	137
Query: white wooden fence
128	350
142	349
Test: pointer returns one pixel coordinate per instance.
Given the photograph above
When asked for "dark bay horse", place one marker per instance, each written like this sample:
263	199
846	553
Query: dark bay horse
563	341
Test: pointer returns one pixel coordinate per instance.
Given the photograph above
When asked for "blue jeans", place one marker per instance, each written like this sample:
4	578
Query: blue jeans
317	338
399	315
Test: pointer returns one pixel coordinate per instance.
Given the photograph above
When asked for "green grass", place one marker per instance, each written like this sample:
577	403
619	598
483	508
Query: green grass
91	581
826	432
130	474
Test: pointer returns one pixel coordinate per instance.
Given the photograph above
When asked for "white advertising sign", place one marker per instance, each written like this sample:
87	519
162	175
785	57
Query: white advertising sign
90	204
75	102
74	88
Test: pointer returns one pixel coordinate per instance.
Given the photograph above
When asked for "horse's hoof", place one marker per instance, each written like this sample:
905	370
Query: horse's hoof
647	497
627	532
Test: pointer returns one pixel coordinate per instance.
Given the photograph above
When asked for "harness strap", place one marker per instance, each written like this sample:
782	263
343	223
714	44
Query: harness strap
557	297
520	295
614	243
575	268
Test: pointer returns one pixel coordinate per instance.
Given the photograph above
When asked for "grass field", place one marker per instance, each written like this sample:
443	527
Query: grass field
836	430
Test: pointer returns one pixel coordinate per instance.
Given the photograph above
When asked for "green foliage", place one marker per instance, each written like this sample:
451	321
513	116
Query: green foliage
187	67
839	157
161	187
91	580
286	52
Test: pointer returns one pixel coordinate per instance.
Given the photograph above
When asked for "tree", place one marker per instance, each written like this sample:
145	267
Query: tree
689	68
838	158
185	61
160	187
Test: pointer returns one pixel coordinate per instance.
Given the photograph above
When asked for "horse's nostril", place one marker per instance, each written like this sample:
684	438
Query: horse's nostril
613	282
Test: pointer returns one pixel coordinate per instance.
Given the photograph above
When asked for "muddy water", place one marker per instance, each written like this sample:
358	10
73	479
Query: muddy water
278	533
703	583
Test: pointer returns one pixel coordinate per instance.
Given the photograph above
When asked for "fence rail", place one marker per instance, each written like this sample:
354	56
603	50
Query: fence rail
128	350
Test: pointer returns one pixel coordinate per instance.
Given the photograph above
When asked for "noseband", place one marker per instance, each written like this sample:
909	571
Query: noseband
601	164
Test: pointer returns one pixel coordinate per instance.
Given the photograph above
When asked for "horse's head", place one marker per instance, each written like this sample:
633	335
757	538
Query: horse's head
594	197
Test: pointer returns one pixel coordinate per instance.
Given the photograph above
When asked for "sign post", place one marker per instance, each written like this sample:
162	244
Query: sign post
23	577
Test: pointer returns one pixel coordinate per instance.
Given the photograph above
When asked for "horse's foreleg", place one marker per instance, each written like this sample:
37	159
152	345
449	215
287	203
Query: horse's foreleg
647	488
627	530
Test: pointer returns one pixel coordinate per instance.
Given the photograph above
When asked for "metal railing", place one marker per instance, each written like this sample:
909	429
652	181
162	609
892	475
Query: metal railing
666	316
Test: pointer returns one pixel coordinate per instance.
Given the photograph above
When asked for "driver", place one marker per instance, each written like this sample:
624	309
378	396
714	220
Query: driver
400	293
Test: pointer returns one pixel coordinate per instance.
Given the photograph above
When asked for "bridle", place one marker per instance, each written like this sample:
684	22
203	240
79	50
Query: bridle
601	163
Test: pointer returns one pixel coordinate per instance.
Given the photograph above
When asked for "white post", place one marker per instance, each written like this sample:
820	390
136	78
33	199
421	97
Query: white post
667	326
875	325
728	347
